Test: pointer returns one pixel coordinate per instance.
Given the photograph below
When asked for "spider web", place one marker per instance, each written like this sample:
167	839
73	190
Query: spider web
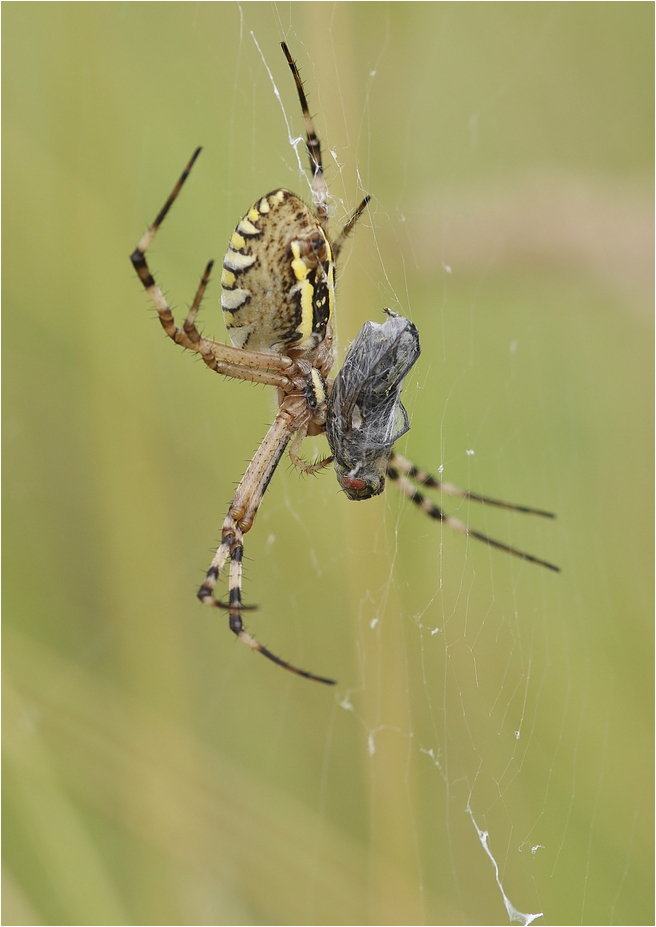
486	755
375	608
468	691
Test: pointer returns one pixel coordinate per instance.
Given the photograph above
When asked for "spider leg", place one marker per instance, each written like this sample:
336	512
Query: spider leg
425	479
222	358
346	231
298	461
313	145
404	485
238	521
217	355
147	239
138	258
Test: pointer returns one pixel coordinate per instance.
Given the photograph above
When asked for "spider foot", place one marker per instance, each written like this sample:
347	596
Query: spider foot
255	645
235	607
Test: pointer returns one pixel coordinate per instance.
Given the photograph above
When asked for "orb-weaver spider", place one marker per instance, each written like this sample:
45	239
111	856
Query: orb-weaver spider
277	294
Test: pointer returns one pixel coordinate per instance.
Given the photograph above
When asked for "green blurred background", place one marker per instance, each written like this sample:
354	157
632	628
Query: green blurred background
157	772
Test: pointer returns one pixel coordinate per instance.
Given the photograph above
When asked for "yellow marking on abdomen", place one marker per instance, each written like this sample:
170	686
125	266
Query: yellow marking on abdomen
301	271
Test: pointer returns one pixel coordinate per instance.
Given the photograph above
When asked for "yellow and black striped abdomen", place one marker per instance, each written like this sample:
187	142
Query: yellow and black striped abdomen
278	281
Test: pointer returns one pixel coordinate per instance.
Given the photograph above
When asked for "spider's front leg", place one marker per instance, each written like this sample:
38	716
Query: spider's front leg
238	521
402	471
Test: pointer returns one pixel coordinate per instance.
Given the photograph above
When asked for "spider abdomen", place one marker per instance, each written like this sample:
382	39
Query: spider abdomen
278	280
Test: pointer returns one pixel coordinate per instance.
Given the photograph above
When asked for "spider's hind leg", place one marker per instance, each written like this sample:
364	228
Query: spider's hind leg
188	336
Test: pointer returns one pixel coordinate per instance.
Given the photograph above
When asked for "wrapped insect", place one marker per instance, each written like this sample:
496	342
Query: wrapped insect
365	415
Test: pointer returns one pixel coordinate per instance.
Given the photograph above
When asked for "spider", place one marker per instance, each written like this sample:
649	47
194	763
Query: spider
277	295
